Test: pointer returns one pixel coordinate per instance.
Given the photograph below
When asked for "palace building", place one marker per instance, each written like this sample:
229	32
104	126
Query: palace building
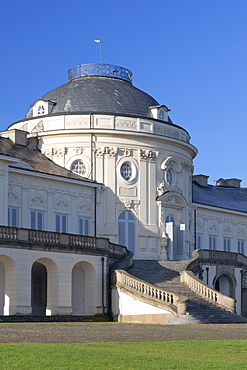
97	176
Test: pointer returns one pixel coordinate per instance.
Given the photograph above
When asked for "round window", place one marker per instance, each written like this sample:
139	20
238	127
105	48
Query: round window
126	171
79	167
169	176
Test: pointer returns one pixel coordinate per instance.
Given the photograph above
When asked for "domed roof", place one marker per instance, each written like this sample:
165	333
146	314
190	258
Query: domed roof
99	89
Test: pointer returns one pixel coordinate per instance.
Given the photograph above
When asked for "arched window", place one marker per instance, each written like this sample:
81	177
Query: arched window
170	218
126	230
79	167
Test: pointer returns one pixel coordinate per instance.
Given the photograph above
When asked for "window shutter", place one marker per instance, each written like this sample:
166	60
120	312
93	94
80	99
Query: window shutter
64	223
40	220
58	223
33	218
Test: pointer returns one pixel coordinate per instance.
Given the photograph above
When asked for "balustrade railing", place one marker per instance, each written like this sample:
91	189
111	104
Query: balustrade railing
8	233
172	302
206	292
61	240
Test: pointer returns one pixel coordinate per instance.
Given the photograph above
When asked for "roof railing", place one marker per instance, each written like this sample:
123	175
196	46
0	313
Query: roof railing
99	69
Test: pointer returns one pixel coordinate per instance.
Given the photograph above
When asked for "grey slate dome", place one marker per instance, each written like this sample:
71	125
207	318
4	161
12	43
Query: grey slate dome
99	88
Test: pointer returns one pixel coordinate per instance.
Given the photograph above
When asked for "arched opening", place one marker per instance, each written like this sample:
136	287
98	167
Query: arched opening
244	302
44	294
84	289
78	290
7	286
39	289
224	285
126	230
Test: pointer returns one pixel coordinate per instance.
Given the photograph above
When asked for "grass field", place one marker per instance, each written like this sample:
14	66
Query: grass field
227	354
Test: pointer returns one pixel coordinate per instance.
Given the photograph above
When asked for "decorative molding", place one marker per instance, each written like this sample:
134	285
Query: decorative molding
126	124
173	199
37	202
128	192
59	152
148	154
161	188
48	152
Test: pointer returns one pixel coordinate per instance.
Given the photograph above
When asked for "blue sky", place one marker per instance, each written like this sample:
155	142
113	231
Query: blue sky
190	55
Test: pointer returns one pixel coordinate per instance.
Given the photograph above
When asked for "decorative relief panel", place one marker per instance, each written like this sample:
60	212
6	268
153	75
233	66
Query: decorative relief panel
241	233
213	229
227	231
148	154
84	210
37	202
61	205
13	198
128	192
128	124
57	152
38	128
76	122
167	131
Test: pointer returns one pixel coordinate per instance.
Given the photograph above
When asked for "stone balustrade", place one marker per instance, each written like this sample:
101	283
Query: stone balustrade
60	240
206	292
172	302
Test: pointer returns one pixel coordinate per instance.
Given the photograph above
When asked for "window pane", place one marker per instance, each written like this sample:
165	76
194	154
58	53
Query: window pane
33	218
58	223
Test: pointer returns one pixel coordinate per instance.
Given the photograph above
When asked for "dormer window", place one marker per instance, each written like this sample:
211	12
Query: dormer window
160	112
41	107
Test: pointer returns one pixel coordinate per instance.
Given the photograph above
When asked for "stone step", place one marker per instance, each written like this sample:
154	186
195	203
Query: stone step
165	275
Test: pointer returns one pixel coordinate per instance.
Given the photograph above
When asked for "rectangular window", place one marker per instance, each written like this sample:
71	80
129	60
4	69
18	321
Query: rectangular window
37	220
212	242
84	226
198	241
241	246
227	244
61	222
13	219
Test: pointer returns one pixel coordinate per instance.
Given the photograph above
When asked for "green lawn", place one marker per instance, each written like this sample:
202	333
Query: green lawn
153	355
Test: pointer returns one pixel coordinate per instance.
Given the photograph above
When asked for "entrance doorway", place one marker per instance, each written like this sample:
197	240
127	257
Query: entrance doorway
39	289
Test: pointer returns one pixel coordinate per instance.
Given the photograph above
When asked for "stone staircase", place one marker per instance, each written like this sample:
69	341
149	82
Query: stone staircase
165	274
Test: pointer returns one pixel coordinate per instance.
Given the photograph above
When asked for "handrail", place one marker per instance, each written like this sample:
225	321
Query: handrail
197	286
174	303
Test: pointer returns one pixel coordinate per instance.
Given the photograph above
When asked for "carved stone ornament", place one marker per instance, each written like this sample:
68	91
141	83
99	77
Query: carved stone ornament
127	152
148	154
37	202
61	205
38	128
127	203
186	165
13	198
161	188
100	151
128	192
78	150
48	153
59	152
165	130
174	200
